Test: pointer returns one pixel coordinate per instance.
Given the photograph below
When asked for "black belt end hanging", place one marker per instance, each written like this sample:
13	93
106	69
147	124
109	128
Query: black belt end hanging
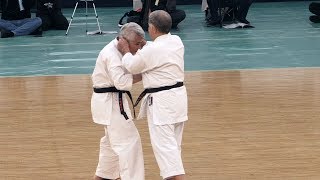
113	89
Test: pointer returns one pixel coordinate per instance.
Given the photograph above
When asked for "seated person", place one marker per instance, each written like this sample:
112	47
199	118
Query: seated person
241	11
16	19
314	8
205	8
50	13
177	15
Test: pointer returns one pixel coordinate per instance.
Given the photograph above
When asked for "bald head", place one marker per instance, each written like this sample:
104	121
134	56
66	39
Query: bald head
161	20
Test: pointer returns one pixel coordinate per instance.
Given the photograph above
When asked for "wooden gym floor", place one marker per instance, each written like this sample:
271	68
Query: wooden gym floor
253	102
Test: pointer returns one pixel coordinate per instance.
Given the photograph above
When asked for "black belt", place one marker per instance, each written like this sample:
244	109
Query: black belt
154	90
113	89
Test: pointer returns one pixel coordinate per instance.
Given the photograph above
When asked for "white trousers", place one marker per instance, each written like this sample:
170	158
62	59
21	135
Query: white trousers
121	152
166	145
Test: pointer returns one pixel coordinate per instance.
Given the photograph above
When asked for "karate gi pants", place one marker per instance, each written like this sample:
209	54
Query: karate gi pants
166	144
121	152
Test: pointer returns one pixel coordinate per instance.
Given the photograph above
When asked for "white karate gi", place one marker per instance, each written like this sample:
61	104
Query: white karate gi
120	148
162	64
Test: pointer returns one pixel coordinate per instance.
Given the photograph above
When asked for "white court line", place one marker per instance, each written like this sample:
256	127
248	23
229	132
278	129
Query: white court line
73	67
24	72
72	60
187	40
253	49
246	54
81	24
255	30
255	38
20	67
45	44
184	40
84	18
73	52
46	70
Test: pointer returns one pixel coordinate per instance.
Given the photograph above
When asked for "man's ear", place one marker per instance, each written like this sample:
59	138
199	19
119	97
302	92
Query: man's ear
151	27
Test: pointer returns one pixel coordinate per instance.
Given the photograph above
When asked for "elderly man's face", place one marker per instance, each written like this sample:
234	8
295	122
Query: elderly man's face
137	43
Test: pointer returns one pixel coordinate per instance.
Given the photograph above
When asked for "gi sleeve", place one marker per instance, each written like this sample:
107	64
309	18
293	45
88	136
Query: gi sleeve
121	79
133	63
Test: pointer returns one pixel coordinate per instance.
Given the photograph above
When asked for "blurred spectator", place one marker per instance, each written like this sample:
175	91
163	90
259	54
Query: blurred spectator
50	13
177	15
241	10
16	19
314	8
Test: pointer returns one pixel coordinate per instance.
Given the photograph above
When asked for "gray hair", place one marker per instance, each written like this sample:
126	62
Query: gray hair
130	30
161	20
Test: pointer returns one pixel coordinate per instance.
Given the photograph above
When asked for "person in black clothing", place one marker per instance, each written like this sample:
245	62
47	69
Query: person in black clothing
169	6
241	10
16	19
314	8
50	13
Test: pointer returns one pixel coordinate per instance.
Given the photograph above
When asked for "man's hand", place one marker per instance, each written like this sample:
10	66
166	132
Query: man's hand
123	46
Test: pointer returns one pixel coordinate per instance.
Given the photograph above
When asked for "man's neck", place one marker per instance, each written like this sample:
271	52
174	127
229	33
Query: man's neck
158	35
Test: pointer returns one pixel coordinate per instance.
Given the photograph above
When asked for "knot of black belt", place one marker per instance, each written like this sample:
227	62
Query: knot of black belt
113	89
154	90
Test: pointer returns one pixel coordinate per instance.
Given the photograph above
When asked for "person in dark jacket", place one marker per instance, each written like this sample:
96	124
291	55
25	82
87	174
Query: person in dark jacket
50	13
16	19
241	10
314	8
177	15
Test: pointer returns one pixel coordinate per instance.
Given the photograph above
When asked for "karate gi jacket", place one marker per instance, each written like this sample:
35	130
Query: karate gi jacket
108	72
162	64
